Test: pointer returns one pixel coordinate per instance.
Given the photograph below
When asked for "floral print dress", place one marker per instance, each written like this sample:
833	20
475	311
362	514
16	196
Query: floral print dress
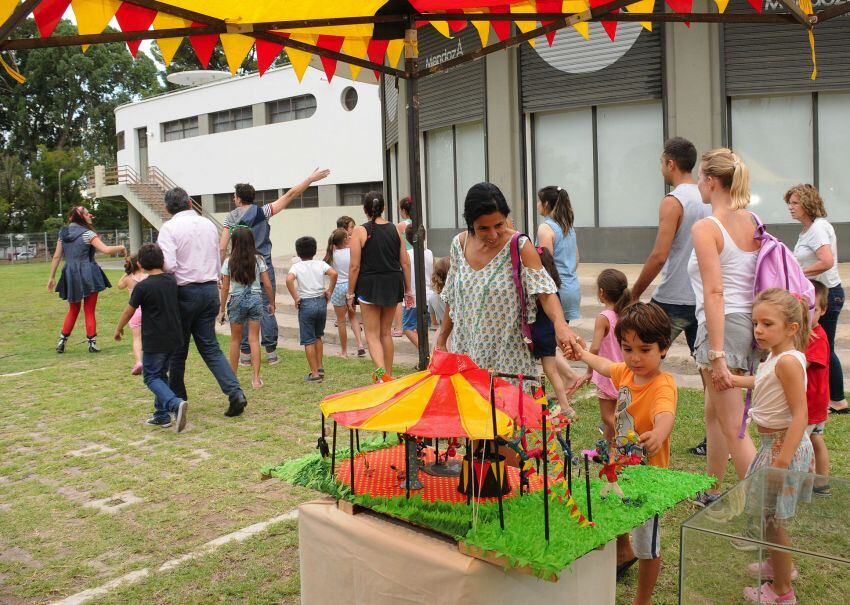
484	307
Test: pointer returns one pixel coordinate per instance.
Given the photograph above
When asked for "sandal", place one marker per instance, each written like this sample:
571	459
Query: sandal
765	595
623	567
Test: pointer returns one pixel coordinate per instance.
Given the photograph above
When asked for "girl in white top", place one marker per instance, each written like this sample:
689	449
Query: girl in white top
722	271
338	256
780	412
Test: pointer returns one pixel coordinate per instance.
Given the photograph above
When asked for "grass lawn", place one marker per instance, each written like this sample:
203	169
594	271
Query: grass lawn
73	434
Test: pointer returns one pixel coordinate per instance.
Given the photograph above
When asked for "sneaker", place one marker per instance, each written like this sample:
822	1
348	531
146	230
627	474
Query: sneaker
244	359
60	346
703	499
699	450
272	358
92	340
822	490
764	571
137	369
361	352
311	378
764	595
237	405
162	423
180	417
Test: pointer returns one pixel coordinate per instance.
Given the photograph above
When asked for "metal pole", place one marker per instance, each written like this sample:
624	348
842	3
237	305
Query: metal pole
351	457
46	249
61	170
495	449
333	451
544	412
407	466
411	66
470	484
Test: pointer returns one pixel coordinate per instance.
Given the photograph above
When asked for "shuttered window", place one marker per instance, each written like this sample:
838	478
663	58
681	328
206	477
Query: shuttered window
455	161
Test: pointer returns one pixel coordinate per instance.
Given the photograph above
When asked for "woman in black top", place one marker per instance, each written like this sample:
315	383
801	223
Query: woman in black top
379	279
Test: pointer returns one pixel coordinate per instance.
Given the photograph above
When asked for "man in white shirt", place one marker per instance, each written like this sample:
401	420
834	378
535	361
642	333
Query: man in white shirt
189	244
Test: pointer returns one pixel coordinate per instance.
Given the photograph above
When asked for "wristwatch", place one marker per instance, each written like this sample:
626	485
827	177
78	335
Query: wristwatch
712	355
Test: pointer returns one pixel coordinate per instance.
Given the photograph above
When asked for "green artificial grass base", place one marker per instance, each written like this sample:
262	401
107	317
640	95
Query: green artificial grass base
522	543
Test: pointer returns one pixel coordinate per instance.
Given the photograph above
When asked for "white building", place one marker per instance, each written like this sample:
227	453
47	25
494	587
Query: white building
270	131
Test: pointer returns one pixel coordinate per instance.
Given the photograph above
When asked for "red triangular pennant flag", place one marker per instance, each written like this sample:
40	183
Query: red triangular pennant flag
502	28
758	5
267	52
134	18
376	50
333	43
609	26
683	6
456	26
549	6
47	15
203	45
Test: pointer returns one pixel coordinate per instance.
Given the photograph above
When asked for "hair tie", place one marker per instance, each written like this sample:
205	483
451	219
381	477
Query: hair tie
237	226
797	295
539	249
559	190
736	163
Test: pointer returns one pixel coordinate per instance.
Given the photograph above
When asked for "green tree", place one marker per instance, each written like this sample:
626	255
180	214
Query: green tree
69	98
18	194
44	171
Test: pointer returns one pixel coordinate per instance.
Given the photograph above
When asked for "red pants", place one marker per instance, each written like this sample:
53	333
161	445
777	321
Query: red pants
88	304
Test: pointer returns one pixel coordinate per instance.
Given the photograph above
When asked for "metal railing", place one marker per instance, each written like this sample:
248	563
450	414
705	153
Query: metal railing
40	246
126	175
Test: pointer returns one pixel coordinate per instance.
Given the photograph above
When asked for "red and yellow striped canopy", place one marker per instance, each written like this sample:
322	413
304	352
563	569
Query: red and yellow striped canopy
449	399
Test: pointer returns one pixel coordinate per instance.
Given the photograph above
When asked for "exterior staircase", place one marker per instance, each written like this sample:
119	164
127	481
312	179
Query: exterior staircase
145	192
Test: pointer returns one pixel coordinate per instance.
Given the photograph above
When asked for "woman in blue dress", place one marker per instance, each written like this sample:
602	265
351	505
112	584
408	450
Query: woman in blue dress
557	235
82	278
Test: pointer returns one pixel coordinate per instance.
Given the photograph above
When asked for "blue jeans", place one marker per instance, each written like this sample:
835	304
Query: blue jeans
199	305
829	322
312	316
155	370
268	324
683	319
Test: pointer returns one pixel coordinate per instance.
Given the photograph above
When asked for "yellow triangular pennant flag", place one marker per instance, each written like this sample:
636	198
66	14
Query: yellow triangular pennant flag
394	50
442	27
806	6
236	48
299	58
643	6
356	47
482	27
525	26
93	15
168	46
721	5
577	6
7	7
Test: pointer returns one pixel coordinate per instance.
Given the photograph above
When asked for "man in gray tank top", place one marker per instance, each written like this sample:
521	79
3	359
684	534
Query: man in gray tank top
678	212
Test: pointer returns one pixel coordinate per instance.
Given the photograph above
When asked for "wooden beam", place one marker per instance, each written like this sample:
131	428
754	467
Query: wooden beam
19	14
324	52
54	41
835	10
587	15
766	18
329	22
170	9
796	11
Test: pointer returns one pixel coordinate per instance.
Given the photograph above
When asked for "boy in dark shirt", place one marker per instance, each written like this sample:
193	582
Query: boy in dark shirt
162	335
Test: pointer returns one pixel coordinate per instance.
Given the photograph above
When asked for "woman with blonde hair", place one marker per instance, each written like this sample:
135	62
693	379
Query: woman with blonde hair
722	271
817	252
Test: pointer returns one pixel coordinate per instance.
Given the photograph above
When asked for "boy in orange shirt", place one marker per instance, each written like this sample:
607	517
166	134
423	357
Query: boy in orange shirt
646	404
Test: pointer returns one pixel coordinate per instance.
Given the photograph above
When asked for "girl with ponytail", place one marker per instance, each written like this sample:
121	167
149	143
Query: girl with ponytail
378	279
722	270
613	292
338	256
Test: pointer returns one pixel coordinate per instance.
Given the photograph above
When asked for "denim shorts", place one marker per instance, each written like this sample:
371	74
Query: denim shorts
408	319
339	293
245	307
312	316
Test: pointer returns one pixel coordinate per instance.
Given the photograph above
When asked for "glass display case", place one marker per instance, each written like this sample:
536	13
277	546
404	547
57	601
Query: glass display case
731	544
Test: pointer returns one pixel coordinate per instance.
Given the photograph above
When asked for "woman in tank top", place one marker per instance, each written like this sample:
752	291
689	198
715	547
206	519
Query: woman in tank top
722	271
379	279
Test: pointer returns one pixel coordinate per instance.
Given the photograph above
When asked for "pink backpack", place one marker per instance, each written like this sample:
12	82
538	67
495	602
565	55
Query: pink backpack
776	267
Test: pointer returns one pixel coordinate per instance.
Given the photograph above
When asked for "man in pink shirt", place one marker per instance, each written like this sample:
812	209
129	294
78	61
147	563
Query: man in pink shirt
189	244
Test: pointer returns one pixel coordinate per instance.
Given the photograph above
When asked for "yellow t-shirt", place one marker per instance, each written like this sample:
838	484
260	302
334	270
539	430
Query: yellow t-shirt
638	405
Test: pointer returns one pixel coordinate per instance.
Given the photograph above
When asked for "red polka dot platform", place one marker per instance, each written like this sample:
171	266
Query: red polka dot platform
374	475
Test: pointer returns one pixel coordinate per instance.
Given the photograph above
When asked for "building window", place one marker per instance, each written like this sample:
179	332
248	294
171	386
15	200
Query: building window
455	161
623	160
308	199
292	108
231	119
833	134
349	98
223	202
180	129
351	194
265	196
120	137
